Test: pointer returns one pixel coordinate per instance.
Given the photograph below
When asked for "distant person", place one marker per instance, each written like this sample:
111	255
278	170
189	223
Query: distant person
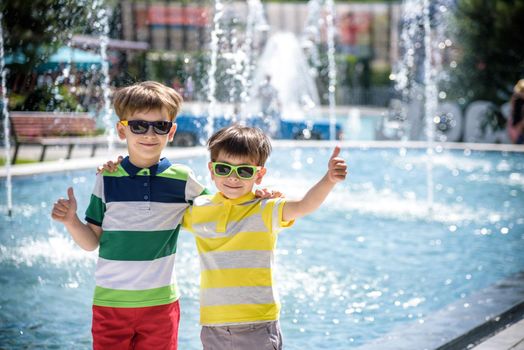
516	120
189	88
236	236
269	105
134	219
268	94
177	85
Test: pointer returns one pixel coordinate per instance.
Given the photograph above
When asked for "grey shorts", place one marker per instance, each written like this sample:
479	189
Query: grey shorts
253	336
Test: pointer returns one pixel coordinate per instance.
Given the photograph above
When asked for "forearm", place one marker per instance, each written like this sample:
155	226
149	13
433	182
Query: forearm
83	234
310	202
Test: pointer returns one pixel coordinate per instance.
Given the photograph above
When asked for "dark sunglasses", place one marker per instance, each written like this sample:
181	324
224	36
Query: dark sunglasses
245	172
139	127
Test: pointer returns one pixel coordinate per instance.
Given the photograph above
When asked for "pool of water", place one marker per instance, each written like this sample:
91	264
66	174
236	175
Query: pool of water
371	260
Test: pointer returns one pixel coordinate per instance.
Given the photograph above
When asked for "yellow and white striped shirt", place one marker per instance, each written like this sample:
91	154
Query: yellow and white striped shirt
236	240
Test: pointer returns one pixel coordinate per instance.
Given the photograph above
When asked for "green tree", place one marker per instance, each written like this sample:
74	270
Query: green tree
34	29
491	57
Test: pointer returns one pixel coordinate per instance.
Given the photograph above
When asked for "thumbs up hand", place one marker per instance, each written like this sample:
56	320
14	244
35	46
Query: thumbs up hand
64	210
337	167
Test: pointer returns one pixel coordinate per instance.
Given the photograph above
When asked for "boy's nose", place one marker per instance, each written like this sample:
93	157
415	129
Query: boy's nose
233	177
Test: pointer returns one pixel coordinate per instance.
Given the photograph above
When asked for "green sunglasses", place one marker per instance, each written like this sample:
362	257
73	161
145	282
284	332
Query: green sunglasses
245	172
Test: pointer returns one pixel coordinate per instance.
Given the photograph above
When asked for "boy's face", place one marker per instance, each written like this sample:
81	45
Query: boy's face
233	186
147	147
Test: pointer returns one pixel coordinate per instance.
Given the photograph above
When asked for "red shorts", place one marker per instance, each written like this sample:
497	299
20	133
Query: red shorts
153	327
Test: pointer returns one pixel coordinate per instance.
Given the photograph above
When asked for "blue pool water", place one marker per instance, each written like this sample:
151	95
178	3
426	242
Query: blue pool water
372	259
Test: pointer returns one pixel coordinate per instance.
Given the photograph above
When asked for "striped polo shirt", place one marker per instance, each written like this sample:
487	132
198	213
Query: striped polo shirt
236	240
140	211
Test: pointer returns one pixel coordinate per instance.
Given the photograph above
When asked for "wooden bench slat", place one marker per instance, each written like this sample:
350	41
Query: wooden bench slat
54	129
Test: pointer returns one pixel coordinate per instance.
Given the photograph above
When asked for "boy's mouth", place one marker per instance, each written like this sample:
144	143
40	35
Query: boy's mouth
233	187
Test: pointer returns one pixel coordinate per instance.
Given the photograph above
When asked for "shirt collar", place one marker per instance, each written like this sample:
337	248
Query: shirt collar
219	198
158	168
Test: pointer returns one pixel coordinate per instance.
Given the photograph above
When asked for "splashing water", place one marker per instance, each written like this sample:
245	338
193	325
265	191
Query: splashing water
7	129
103	19
215	37
368	261
332	69
431	101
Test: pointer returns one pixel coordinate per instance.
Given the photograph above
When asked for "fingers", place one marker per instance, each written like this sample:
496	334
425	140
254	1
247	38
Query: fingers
336	152
110	166
338	169
60	209
71	195
64	209
264	193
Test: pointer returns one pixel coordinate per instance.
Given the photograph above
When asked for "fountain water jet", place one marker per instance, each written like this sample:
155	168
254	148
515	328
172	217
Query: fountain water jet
332	69
103	20
7	129
219	8
284	60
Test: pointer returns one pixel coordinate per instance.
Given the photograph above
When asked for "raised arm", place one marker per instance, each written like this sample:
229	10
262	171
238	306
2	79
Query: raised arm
87	236
337	171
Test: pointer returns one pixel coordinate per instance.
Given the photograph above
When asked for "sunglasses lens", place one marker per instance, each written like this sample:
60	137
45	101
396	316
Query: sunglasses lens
245	172
162	128
138	126
222	169
141	126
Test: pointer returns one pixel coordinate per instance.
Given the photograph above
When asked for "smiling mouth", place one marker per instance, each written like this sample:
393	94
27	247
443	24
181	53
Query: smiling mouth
233	187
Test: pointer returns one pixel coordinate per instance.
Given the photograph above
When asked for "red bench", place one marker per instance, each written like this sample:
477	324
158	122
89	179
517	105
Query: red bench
54	129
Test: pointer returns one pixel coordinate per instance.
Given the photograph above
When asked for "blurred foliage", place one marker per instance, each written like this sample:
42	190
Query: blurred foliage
339	1
37	28
491	49
46	98
352	72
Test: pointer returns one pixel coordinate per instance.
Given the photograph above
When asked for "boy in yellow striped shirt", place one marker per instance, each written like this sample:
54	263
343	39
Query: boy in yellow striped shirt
236	235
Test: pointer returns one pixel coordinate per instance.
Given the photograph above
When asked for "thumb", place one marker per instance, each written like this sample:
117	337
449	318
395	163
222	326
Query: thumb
71	195
336	152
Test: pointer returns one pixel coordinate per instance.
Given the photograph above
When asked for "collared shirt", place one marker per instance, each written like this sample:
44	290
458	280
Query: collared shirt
139	210
236	239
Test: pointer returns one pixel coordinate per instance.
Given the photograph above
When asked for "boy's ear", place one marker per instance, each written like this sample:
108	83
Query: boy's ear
120	129
172	132
260	175
209	167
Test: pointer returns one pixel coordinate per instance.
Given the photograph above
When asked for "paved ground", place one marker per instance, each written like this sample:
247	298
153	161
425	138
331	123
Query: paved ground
512	338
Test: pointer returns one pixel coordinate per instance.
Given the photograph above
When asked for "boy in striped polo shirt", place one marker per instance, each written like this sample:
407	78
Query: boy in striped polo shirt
236	235
134	218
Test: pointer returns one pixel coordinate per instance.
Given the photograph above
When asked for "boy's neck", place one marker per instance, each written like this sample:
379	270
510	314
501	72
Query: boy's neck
245	195
141	162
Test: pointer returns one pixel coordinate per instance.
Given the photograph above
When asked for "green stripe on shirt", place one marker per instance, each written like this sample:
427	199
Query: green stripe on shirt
96	209
135	298
138	245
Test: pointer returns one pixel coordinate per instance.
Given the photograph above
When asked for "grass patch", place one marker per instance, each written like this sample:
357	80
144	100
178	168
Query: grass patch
19	161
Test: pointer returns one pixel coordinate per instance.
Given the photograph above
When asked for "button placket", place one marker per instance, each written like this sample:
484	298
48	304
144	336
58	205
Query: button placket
146	194
222	222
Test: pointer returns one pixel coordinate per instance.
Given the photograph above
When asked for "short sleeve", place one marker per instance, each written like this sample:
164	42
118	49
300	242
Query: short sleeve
193	188
97	206
272	214
187	219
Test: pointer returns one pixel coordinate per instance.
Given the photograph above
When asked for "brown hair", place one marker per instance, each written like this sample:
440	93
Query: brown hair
145	96
240	141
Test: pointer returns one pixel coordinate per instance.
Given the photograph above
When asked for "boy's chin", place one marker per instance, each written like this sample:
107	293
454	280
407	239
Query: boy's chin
233	194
